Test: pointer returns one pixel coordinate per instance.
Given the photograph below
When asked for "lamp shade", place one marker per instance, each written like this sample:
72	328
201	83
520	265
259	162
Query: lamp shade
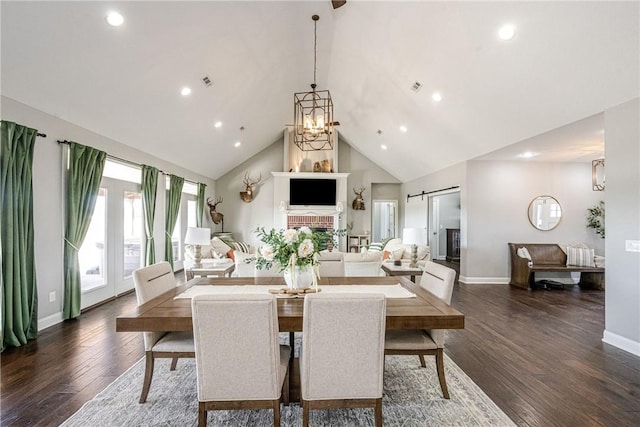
197	236
413	236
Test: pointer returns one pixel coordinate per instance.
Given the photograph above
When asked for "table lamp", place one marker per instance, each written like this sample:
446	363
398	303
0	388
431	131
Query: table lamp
197	237
414	237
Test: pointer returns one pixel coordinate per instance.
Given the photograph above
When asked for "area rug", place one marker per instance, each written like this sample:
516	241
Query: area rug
412	397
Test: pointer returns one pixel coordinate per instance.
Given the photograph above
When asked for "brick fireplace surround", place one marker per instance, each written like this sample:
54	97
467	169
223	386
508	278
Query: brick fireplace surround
311	221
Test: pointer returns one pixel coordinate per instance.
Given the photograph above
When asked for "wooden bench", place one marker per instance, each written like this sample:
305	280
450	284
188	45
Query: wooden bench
548	257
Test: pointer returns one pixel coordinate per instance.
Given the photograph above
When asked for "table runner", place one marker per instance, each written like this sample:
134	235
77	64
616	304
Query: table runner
389	291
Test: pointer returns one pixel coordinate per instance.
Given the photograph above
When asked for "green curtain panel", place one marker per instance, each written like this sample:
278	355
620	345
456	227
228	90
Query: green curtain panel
149	193
200	203
83	183
18	271
173	206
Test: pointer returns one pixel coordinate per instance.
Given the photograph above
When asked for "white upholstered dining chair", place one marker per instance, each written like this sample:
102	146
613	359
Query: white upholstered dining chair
342	359
149	283
239	361
438	280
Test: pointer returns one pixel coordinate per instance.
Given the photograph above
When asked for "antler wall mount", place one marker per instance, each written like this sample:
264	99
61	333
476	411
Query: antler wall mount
216	216
358	202
249	184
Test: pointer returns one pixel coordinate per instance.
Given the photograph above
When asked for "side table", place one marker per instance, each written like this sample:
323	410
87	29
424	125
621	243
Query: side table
210	270
401	270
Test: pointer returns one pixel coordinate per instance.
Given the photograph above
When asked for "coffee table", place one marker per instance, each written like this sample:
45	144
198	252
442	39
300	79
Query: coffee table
401	270
220	270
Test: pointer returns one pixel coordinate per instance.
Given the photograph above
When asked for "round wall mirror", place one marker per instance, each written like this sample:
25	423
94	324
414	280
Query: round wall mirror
545	213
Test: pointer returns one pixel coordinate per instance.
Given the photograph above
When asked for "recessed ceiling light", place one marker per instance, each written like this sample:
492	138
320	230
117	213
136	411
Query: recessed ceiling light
437	97
217	124
237	144
507	32
403	128
384	147
527	154
185	91
115	19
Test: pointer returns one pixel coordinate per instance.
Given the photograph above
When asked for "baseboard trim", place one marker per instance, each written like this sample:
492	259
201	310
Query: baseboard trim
621	342
483	280
48	321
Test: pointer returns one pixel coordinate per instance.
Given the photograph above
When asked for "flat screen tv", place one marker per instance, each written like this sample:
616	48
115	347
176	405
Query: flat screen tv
314	192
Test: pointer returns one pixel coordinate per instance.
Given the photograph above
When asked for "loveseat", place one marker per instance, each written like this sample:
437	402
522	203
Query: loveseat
220	251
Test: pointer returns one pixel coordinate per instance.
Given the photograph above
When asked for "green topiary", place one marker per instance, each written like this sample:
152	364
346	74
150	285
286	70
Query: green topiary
595	218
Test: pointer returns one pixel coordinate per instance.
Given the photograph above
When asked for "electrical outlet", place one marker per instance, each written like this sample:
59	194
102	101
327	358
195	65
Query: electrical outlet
52	296
632	245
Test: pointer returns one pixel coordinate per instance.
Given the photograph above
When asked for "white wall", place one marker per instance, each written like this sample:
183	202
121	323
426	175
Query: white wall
622	204
363	173
242	218
498	196
48	195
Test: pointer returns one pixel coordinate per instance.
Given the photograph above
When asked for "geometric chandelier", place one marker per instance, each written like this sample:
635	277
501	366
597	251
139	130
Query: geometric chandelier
313	112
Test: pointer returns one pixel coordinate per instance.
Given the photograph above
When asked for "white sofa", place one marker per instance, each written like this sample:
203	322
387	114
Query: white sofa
363	264
397	251
218	251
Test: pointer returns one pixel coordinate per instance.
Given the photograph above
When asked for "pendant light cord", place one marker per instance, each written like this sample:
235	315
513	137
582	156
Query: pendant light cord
315	50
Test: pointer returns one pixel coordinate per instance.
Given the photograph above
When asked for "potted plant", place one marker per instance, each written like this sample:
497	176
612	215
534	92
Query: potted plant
595	218
295	252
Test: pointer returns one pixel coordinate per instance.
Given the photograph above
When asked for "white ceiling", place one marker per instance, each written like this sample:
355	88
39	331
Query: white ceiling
568	61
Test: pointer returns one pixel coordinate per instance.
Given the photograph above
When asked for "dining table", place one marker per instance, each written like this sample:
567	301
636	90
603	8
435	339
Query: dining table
409	306
417	309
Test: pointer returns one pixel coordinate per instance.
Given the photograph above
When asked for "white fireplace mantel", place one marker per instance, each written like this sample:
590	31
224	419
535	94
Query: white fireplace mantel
312	175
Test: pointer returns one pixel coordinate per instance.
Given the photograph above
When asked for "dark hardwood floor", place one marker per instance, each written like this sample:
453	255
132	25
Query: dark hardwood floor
537	354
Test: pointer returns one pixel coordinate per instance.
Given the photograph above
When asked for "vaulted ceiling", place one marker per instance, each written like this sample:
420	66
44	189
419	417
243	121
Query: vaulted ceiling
568	61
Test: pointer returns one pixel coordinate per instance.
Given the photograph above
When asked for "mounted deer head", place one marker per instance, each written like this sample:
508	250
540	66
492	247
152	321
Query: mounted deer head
358	202
216	216
249	183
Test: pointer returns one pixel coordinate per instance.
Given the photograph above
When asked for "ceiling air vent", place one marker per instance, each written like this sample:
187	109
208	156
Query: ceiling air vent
207	81
416	86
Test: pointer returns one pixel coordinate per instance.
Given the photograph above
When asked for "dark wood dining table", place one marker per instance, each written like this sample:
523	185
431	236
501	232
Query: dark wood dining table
164	313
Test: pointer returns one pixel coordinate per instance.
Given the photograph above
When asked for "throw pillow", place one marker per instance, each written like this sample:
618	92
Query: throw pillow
580	257
375	247
397	254
242	247
220	246
523	253
386	255
231	255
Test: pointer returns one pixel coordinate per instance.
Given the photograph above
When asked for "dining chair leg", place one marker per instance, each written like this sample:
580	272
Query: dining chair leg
378	411
422	362
202	415
276	413
305	413
148	374
174	363
440	366
285	389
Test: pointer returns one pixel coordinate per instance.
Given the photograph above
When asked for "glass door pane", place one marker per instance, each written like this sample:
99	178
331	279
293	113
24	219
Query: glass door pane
92	254
175	237
132	232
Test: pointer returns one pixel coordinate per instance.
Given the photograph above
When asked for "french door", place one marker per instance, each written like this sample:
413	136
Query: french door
113	247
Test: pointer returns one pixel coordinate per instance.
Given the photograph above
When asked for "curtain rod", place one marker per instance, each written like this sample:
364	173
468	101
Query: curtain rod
43	135
423	193
124	160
